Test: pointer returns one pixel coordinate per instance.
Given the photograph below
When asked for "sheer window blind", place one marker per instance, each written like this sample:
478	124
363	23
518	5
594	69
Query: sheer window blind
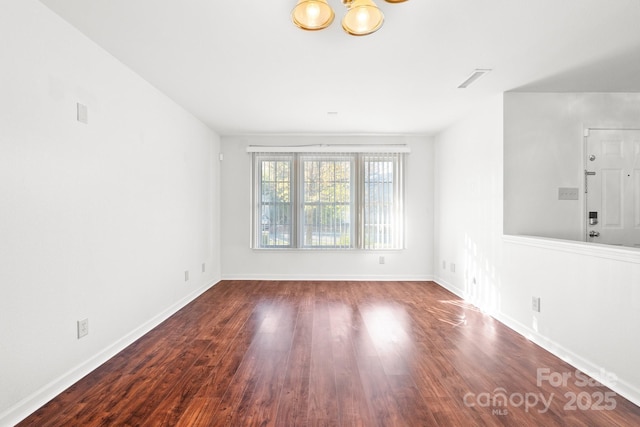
328	200
382	202
274	208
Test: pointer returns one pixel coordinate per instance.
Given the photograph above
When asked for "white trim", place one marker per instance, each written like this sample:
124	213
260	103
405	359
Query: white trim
616	253
590	128
330	148
329	134
36	400
331	277
595	371
450	287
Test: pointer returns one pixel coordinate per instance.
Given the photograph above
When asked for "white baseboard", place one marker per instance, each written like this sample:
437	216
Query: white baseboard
330	277
619	386
582	364
30	404
450	287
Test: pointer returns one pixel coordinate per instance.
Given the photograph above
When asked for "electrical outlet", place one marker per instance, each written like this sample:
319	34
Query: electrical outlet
186	275
83	328
381	260
535	304
452	267
444	265
203	267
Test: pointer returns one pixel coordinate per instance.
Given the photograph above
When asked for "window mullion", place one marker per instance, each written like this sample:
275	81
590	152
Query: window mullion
295	201
385	200
356	184
399	226
257	203
334	207
317	221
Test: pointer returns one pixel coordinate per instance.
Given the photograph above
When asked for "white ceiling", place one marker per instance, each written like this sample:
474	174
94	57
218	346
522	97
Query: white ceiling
242	67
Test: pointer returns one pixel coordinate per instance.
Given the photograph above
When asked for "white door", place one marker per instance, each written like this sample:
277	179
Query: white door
612	179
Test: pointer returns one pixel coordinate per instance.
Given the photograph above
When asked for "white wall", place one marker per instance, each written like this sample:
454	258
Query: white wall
468	205
590	305
239	261
590	294
97	221
543	150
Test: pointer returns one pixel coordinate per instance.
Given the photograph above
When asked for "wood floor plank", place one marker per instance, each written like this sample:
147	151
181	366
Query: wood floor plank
287	353
323	403
377	389
292	408
259	406
175	402
353	408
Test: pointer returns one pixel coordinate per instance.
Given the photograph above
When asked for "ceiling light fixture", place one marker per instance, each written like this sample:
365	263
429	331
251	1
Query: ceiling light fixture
363	16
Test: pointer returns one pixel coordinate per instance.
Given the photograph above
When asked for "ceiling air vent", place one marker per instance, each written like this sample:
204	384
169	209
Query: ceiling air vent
477	73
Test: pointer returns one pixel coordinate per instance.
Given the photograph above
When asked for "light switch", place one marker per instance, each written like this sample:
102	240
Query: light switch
565	193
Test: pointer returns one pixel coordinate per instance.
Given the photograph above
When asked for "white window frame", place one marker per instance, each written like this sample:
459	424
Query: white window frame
259	224
357	240
303	203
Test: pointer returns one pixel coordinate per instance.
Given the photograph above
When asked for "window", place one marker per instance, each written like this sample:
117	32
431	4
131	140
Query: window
328	200
383	203
275	201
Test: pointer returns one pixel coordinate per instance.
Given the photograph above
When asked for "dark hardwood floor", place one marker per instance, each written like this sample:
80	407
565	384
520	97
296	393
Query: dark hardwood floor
333	354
